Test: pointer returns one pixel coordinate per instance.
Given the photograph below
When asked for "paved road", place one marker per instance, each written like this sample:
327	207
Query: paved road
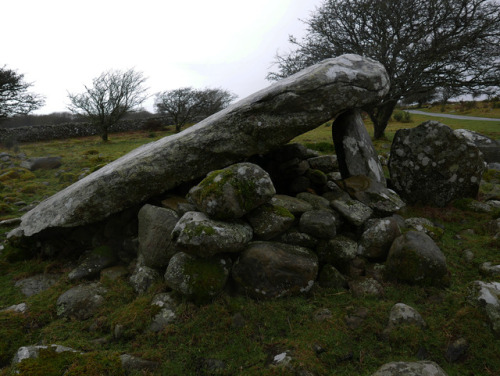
459	117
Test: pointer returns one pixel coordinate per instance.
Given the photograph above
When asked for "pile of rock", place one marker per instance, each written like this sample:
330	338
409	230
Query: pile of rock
232	228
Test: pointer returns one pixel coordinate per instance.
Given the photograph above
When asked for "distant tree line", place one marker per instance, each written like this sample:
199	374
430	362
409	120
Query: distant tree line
428	47
113	96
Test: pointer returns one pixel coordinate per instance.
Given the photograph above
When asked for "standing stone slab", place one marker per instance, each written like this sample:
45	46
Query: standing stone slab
355	151
254	125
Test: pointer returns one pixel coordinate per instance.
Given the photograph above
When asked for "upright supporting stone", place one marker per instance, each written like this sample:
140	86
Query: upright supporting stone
354	148
255	125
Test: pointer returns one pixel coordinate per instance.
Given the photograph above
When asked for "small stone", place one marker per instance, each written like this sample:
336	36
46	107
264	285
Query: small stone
366	287
132	364
238	321
322	314
456	350
490	270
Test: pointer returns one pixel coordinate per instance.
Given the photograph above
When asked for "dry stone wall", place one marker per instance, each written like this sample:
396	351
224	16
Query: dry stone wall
71	130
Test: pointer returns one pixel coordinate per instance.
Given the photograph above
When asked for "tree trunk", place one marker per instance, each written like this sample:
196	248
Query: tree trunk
380	116
104	133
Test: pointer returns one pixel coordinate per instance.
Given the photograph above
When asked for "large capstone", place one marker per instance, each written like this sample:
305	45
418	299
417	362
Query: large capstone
233	192
254	125
271	270
432	164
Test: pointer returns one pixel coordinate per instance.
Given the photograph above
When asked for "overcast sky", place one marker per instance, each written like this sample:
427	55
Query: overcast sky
61	45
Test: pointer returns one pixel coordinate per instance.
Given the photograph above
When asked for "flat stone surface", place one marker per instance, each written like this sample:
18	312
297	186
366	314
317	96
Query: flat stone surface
254	125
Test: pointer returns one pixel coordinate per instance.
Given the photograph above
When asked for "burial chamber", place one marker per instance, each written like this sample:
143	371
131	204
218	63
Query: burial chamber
255	125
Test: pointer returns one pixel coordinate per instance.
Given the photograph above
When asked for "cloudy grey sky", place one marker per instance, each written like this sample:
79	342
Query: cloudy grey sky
60	45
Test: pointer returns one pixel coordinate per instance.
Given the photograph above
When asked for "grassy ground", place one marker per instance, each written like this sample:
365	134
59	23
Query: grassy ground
268	328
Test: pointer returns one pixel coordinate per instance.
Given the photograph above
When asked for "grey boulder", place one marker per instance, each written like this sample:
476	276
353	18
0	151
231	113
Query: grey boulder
232	192
272	270
81	302
414	258
422	368
319	223
269	221
199	235
41	163
155	229
377	238
432	164
199	279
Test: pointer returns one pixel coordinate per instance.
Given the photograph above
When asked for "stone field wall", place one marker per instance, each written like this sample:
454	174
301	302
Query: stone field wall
69	130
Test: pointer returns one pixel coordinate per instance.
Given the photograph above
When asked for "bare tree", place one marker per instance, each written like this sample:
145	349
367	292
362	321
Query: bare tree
113	94
14	96
423	44
186	105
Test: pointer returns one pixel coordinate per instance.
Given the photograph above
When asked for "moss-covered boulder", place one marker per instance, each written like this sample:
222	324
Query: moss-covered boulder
92	263
414	258
233	192
201	236
199	279
273	270
81	302
269	221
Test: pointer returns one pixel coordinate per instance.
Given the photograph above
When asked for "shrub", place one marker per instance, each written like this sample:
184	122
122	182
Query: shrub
402	116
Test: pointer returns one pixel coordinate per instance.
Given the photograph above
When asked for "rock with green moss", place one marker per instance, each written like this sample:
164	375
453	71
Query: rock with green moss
41	163
382	200
82	301
199	279
197	234
403	314
353	211
377	238
301	239
339	252
233	192
272	270
414	258
319	223
325	163
269	221
143	277
330	277
155	228
294	205
92	263
433	164
426	226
